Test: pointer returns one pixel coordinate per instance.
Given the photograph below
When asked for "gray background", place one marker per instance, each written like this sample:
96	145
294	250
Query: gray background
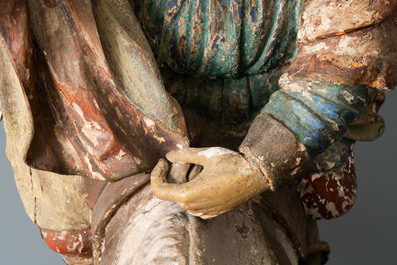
366	235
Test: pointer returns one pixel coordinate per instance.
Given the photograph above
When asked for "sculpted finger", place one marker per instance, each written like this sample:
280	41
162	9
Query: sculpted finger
198	156
181	193
159	174
187	155
211	206
164	190
160	187
169	192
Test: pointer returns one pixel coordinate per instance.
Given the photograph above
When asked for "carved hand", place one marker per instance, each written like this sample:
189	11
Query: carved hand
226	182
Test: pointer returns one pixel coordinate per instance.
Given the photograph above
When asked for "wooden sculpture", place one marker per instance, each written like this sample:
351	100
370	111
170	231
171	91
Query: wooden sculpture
256	105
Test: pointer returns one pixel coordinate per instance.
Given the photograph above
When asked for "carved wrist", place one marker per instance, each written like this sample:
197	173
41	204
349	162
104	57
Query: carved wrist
275	151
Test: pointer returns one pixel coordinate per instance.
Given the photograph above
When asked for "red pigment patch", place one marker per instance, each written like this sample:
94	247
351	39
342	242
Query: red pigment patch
71	243
330	194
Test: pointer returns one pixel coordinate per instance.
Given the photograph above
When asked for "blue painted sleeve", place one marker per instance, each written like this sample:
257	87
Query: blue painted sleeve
317	113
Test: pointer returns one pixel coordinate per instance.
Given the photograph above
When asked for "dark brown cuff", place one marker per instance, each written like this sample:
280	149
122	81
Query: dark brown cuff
275	150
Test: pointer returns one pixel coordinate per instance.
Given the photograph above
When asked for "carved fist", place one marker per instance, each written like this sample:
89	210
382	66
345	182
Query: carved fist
227	181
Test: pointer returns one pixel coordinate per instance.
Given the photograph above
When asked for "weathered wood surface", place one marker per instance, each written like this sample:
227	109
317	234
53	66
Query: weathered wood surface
84	93
86	120
271	229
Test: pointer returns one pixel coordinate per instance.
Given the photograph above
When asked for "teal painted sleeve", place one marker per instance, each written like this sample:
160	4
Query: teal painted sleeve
227	38
318	114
